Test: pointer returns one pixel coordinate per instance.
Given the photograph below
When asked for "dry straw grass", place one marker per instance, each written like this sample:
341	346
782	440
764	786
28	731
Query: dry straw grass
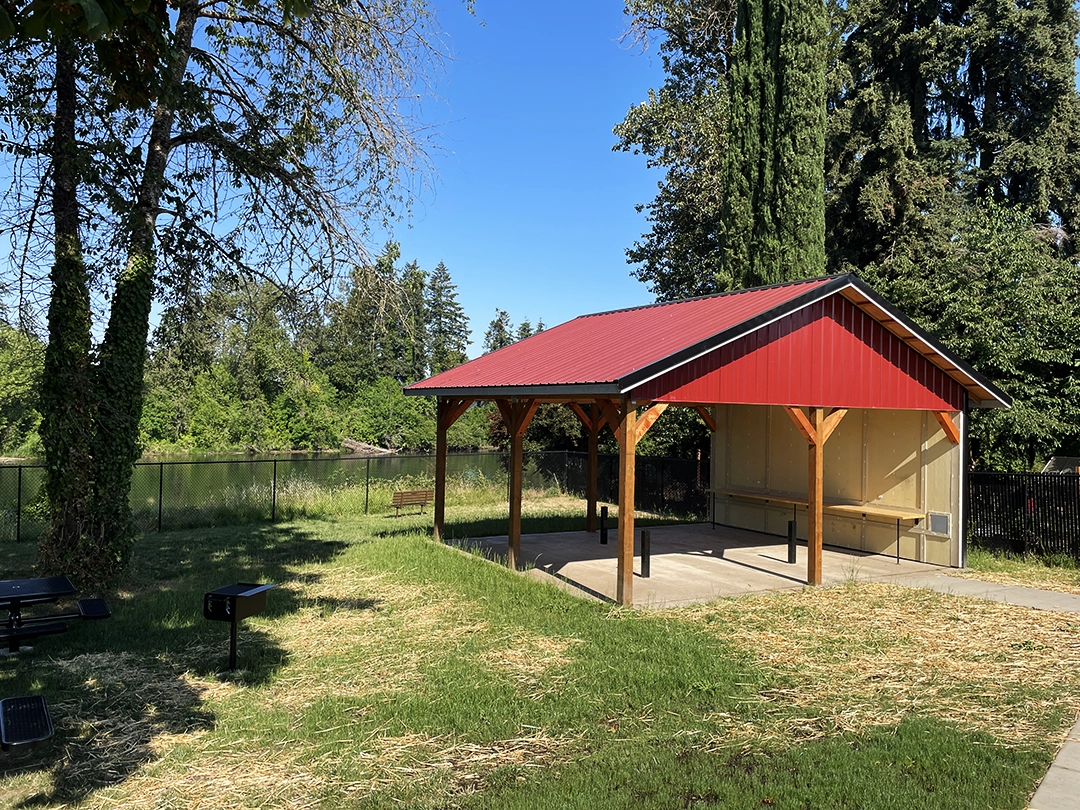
1044	578
356	646
847	658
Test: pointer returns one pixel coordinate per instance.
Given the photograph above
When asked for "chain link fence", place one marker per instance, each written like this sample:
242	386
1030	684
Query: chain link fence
188	494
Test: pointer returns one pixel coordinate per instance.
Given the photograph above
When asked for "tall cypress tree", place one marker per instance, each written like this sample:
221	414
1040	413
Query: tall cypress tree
774	214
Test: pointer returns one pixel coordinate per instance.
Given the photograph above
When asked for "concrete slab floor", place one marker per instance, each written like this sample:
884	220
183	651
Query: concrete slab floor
692	564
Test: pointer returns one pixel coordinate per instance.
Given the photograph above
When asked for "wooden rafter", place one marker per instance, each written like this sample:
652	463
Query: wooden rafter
802	423
830	423
647	419
951	430
611	414
706	415
450	410
812	434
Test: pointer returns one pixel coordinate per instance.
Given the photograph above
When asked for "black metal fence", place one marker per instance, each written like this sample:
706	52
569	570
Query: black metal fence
188	494
1035	513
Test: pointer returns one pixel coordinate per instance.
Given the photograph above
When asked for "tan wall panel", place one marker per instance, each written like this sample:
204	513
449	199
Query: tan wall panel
746	516
880	538
894	439
942	460
747	460
719	447
778	519
842	531
844	459
938	550
788	455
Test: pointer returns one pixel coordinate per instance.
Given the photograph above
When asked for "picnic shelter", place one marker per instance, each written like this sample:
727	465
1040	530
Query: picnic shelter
827	405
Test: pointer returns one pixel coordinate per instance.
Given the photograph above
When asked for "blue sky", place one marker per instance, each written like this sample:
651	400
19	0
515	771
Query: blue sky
532	211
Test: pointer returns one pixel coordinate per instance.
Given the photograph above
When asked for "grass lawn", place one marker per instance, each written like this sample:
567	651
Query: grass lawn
389	671
1055	574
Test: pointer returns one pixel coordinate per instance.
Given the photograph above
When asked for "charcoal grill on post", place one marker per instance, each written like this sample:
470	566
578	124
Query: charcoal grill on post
232	604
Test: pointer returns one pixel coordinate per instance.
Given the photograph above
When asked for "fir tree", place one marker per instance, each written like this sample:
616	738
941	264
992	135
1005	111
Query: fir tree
447	325
500	332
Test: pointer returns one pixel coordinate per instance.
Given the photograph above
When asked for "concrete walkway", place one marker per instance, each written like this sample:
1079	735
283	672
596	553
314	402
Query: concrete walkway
694	564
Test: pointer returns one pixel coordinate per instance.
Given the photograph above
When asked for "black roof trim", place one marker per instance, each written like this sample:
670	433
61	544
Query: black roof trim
636	378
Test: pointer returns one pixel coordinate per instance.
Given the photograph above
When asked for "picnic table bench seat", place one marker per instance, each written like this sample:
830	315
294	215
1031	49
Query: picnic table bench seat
24	721
412	497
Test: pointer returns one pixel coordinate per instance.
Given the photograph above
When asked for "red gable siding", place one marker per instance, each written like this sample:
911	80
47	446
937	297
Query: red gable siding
829	354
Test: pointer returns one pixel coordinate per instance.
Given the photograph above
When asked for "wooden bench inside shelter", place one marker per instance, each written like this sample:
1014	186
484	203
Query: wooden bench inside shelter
412	497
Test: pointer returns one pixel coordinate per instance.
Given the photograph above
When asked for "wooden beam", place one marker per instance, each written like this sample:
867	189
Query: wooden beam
517	416
830	424
802	423
815	499
611	413
443	410
454	410
951	430
581	415
706	414
648	419
627	431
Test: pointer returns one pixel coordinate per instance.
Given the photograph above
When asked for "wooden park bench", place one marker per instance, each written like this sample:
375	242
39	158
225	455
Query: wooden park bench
412	497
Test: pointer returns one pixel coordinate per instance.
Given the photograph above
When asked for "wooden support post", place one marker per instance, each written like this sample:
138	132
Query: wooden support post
815	500
593	422
816	428
439	507
517	460
627	435
447	411
517	416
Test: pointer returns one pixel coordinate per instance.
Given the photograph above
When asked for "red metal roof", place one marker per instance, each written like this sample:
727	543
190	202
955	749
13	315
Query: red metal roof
823	342
606	347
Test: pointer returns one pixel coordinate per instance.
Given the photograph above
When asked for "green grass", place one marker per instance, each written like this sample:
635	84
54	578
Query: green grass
390	671
1058	572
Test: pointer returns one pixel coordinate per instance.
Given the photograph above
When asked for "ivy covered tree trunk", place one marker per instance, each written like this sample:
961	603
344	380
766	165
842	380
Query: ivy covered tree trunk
774	213
66	402
122	354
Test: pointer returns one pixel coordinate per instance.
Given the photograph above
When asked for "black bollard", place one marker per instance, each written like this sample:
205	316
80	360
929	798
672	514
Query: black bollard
646	553
603	525
791	541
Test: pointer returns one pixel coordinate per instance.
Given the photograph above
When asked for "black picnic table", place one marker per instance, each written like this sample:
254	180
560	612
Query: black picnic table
16	594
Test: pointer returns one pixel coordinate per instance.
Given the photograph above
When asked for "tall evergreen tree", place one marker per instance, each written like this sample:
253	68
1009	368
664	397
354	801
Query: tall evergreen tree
447	325
774	212
500	332
939	101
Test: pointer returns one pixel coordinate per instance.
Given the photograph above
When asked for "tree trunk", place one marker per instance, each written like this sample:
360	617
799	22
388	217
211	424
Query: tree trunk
122	355
66	404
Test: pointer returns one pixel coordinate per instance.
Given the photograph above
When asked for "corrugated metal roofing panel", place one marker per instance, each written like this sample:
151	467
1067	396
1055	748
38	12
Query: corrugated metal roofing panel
609	346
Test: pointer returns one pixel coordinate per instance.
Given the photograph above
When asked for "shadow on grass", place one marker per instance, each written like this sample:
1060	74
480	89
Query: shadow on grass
115	687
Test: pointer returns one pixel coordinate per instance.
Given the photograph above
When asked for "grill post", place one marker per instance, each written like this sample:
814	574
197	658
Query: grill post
646	554
18	506
791	531
273	495
367	484
603	525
